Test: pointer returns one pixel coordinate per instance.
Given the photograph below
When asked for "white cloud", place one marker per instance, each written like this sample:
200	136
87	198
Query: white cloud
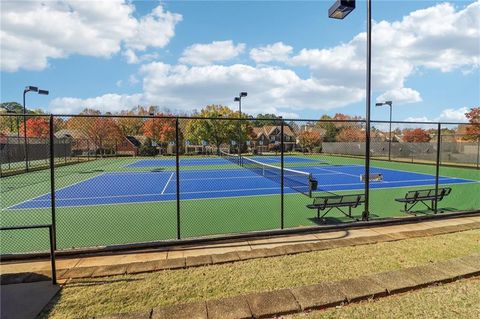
33	32
447	115
183	87
337	74
438	37
273	52
105	103
453	115
217	51
400	96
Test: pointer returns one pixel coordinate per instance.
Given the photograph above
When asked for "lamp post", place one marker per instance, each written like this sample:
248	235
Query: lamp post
239	100
25	91
339	10
389	103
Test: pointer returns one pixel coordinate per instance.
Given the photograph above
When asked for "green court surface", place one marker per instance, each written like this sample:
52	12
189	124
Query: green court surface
124	223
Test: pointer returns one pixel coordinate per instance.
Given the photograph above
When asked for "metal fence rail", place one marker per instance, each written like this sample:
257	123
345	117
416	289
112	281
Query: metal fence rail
116	180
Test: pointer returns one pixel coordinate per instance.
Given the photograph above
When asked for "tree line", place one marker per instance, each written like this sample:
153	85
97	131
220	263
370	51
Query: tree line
160	128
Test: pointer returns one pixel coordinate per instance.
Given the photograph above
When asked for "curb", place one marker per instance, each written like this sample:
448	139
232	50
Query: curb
230	257
319	296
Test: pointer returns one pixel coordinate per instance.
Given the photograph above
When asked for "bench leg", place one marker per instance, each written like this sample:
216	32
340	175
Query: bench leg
326	213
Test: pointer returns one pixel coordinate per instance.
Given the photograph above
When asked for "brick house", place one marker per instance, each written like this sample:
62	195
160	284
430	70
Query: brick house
268	137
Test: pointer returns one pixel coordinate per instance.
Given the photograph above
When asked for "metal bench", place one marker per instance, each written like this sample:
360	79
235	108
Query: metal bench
423	196
337	201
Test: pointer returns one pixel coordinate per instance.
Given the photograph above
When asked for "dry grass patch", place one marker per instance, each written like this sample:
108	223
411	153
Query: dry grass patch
451	301
128	293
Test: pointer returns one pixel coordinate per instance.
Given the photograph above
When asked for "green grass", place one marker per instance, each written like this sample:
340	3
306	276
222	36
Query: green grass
142	222
458	300
101	296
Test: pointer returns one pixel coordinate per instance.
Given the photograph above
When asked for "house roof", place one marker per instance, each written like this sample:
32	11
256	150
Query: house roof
267	130
133	140
70	133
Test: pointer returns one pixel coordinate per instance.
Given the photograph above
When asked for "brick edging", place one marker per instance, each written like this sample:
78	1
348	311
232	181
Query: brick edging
319	296
214	259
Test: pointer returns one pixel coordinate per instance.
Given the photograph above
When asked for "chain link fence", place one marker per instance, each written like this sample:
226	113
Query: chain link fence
121	180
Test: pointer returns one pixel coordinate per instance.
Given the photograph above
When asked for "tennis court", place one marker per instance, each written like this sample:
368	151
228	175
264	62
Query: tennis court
112	201
113	188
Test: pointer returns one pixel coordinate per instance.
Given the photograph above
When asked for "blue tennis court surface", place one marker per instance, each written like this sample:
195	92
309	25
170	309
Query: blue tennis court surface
216	161
137	187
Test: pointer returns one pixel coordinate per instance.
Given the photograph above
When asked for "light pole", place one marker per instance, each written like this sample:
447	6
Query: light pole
339	10
389	103
239	100
25	91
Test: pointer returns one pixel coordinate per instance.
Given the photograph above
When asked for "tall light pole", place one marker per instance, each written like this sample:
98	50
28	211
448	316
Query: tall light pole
25	91
389	103
339	10
239	100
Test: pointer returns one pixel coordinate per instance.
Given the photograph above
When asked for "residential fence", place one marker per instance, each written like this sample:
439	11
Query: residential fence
130	180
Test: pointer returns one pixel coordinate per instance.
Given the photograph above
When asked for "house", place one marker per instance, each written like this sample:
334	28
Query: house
81	143
268	137
129	146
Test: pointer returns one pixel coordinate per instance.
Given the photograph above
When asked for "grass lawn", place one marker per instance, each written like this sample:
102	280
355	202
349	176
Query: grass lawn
137	292
113	224
458	300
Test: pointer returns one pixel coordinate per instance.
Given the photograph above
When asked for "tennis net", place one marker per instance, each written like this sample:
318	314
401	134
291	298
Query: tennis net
231	157
301	182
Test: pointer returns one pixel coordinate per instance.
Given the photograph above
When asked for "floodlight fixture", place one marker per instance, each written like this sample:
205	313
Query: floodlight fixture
341	8
43	92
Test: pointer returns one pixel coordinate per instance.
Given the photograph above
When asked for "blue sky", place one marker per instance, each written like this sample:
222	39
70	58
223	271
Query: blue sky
288	55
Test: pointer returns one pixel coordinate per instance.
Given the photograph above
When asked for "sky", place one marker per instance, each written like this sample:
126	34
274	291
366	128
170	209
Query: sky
288	55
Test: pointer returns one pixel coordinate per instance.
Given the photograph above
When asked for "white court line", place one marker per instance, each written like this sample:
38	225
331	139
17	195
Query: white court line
56	190
155	194
222	190
168	182
212	198
336	172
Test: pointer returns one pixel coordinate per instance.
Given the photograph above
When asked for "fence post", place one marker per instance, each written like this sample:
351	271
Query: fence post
478	151
282	174
52	254
177	168
437	173
52	184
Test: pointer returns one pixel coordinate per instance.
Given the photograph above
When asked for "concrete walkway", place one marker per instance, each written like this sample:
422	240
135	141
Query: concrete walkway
188	256
25	301
274	304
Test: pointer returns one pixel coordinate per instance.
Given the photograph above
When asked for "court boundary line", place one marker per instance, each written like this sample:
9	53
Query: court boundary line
222	190
64	187
166	184
214	198
11	208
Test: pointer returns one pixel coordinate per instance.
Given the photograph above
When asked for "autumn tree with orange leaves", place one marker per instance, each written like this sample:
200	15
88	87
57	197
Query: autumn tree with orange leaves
473	131
416	135
309	139
351	134
103	132
36	127
160	128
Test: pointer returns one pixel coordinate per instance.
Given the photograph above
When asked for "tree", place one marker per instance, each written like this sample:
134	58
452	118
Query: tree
103	132
132	125
146	149
473	131
36	127
216	132
331	130
160	129
269	119
351	134
417	135
10	123
309	139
